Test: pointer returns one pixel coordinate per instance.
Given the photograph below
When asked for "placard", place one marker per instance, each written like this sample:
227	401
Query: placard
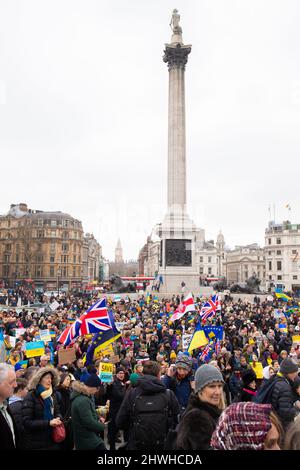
296	339
186	339
45	336
66	356
19	332
106	372
35	349
258	369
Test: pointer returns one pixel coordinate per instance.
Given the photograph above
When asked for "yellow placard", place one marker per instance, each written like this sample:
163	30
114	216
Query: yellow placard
296	339
35	352
258	369
251	341
106	367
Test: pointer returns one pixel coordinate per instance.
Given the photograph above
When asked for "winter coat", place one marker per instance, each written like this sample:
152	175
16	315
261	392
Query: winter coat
147	385
246	394
283	399
197	425
182	388
115	393
15	410
37	430
85	423
235	385
6	440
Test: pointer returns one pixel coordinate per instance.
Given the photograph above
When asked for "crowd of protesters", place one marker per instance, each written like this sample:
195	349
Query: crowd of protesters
243	395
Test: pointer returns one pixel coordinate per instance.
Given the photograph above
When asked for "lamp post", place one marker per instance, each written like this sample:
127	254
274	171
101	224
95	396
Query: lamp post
58	275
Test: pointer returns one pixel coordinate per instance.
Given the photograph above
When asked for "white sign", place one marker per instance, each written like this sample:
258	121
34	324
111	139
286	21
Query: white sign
19	332
12	340
186	339
45	336
54	305
120	325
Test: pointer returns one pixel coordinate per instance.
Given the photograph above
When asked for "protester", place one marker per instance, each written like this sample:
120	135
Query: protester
180	380
8	427
203	411
115	395
40	410
247	426
15	408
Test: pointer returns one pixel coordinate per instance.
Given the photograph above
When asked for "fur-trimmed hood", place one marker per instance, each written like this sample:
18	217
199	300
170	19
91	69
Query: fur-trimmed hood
36	378
79	388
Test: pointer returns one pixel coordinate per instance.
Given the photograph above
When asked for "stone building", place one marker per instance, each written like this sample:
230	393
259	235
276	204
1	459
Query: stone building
244	261
92	254
46	247
282	253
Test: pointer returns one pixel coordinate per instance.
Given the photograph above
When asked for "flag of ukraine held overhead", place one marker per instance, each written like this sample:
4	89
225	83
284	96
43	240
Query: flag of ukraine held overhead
280	295
199	339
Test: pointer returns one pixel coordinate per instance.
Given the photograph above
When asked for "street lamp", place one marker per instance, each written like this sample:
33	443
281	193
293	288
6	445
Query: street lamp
58	274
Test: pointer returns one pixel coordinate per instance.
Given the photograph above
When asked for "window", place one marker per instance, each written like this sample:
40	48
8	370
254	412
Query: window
52	259
65	247
39	258
52	247
270	253
270	278
40	233
209	270
74	272
201	270
5	271
74	258
65	223
65	234
17	248
64	259
278	252
6	258
7	247
53	223
209	259
294	252
278	241
270	265
201	259
40	222
279	278
295	278
270	241
53	233
51	271
279	266
38	271
17	257
65	271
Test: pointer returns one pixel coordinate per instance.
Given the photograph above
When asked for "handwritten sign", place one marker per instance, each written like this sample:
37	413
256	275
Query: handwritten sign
106	372
45	336
66	356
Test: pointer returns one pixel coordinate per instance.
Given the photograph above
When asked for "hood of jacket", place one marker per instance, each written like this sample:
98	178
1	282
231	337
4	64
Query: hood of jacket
148	384
79	388
14	399
36	378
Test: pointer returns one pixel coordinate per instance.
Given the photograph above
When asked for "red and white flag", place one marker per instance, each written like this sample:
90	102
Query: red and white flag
187	305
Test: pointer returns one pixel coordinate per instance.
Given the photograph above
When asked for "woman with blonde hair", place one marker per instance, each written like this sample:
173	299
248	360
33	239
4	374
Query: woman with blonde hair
203	411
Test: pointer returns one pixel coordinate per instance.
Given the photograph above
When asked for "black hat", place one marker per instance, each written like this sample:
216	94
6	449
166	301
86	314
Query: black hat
248	376
288	366
93	381
119	369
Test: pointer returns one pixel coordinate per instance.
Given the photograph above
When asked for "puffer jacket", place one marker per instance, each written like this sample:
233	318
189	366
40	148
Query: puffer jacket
85	422
283	399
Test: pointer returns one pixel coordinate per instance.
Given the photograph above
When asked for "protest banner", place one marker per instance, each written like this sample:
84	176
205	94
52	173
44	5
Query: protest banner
35	349
66	356
45	336
106	372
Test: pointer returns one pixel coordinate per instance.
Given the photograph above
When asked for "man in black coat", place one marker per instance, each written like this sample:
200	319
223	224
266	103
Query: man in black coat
151	389
283	399
8	430
115	394
15	407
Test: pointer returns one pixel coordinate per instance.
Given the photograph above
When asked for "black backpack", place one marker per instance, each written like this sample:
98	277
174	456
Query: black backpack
264	394
150	420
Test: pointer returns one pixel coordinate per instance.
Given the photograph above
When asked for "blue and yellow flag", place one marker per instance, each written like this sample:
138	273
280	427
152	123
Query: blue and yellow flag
280	295
198	340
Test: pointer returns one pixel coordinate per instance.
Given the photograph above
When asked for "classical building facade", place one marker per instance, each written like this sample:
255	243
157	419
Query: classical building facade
46	247
282	253
244	261
92	254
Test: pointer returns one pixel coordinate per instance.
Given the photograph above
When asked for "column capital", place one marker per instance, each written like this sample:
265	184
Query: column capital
176	55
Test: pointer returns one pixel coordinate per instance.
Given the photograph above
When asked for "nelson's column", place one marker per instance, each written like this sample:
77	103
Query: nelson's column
179	235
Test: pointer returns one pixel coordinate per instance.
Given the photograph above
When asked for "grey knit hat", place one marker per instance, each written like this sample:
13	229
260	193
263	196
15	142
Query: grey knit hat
205	375
288	366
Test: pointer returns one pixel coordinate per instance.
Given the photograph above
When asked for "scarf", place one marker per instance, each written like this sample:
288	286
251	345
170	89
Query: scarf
45	394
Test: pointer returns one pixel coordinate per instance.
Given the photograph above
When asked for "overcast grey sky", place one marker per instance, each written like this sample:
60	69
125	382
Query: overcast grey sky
83	113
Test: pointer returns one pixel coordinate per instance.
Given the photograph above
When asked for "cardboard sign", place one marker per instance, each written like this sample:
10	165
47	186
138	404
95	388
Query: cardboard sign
20	332
66	356
106	372
35	349
45	336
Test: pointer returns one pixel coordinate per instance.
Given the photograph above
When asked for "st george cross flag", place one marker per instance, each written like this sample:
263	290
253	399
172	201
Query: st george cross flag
210	307
187	305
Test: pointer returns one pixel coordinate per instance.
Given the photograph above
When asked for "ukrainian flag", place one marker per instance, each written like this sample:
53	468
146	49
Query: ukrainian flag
280	295
198	340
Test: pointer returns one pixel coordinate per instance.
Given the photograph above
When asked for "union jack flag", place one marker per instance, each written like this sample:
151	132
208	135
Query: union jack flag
205	355
210	307
217	347
95	319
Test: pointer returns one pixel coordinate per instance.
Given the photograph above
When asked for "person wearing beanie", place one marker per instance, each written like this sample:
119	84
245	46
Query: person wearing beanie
203	411
86	425
179	378
282	398
247	426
